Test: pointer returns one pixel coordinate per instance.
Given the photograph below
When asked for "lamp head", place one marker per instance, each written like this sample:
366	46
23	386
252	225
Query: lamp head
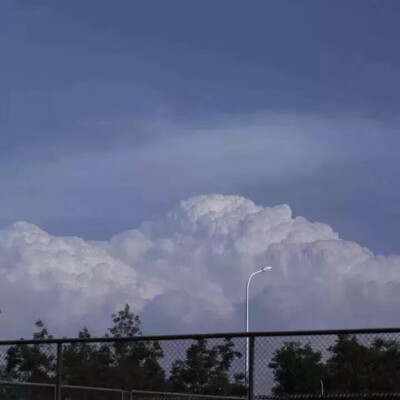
264	269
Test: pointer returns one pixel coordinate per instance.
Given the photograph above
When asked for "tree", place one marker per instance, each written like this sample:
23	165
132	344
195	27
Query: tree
354	367
386	367
297	369
206	370
29	363
350	366
121	364
136	363
33	362
87	364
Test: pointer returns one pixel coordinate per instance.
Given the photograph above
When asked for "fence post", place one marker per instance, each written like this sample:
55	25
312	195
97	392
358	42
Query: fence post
59	371
251	368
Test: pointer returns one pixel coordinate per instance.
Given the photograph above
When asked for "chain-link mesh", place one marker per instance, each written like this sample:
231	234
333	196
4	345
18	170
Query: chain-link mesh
93	393
348	365
143	395
28	371
352	366
14	392
28	362
213	366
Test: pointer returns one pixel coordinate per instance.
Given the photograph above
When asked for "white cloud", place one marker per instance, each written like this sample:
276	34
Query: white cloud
187	272
61	280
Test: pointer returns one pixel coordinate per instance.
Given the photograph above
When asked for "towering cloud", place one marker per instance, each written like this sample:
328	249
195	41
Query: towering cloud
187	272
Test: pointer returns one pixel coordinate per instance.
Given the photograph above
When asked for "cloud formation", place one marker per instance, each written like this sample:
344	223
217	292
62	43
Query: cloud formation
187	271
316	163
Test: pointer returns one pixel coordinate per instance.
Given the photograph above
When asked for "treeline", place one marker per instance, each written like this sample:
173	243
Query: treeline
348	367
203	368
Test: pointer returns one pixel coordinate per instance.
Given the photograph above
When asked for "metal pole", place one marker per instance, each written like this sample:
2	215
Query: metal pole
59	371
251	369
264	269
247	327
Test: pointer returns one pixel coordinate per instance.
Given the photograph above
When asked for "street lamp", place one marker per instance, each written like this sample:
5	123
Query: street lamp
264	269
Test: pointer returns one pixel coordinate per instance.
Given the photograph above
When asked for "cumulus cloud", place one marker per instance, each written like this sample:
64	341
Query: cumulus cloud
62	280
186	272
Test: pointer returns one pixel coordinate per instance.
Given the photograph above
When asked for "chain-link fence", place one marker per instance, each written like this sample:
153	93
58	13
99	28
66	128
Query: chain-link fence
352	364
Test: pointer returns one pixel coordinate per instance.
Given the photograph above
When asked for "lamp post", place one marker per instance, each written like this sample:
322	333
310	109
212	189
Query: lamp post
264	269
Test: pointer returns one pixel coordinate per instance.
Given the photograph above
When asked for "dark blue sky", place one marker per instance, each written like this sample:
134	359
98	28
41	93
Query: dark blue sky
113	112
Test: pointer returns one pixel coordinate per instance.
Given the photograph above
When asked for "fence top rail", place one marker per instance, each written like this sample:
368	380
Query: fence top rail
186	395
230	335
101	389
53	385
329	396
210	396
12	383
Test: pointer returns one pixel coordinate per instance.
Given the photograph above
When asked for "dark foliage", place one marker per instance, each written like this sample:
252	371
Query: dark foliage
350	367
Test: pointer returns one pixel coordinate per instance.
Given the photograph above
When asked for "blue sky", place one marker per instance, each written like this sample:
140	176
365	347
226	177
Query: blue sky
113	112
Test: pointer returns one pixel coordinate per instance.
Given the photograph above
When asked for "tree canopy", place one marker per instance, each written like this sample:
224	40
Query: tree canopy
297	369
127	365
349	367
206	370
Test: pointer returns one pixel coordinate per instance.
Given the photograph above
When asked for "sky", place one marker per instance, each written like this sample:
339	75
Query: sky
112	114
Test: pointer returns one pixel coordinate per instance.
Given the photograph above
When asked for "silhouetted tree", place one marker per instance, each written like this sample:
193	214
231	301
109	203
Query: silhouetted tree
386	367
117	365
136	363
33	362
354	367
206	370
350	366
86	364
29	363
297	368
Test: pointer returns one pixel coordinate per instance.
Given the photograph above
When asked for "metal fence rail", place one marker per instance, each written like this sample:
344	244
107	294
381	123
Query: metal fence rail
329	364
147	395
152	395
122	393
